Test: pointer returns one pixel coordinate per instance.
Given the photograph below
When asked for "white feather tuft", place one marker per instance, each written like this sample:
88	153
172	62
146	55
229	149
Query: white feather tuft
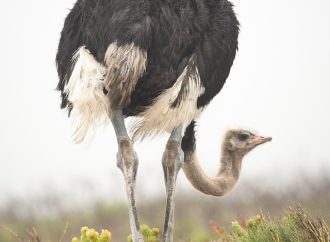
85	92
126	65
161	117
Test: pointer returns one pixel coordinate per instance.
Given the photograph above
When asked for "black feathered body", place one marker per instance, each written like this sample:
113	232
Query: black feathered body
175	34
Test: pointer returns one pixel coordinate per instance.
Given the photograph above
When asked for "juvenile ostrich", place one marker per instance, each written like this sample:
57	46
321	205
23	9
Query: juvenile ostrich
161	61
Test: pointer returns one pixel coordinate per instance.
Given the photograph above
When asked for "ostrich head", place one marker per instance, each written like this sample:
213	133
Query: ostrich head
236	144
241	141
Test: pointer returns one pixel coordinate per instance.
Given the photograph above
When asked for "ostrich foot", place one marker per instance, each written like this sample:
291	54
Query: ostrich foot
127	162
172	163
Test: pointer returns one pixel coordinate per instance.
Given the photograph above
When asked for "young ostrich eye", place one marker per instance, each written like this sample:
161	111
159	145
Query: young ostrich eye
243	136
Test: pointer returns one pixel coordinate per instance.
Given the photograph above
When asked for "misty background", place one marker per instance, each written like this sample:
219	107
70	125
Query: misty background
279	86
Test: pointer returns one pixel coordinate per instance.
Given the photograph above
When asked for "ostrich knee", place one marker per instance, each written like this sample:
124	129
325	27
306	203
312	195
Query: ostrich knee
127	161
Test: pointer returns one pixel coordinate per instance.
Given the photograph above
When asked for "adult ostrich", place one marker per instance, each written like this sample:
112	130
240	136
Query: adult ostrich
161	61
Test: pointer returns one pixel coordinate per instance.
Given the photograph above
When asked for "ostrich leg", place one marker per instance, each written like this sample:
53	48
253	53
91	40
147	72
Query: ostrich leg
172	162
127	161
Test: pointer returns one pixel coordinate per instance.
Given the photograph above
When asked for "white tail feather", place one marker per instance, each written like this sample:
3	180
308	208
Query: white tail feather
160	116
85	92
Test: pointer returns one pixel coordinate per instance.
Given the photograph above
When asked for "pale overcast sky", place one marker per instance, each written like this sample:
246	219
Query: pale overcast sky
279	86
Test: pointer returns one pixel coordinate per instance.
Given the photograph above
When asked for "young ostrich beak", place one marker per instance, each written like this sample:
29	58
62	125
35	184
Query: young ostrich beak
258	140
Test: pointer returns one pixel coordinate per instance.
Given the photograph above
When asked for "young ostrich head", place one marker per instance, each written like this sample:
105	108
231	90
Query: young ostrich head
236	144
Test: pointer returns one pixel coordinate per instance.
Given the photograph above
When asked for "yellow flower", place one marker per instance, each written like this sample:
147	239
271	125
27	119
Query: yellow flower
258	219
92	234
105	235
155	231
75	239
84	231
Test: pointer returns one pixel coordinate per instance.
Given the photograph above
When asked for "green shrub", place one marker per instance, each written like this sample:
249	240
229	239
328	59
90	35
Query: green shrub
149	234
295	226
90	235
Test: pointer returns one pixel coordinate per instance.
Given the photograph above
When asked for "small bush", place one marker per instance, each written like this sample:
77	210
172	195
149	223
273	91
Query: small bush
295	226
149	234
90	235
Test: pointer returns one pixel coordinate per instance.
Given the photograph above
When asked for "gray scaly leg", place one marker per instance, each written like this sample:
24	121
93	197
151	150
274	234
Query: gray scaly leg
172	163
127	161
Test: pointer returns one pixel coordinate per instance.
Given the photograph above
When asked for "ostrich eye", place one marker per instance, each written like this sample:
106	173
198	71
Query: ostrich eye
243	136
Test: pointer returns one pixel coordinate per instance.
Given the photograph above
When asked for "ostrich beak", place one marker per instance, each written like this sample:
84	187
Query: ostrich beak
257	140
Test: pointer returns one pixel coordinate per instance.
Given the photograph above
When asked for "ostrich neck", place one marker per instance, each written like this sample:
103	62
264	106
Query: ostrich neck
223	182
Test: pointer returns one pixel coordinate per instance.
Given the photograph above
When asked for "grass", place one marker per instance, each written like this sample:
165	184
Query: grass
197	218
294	226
